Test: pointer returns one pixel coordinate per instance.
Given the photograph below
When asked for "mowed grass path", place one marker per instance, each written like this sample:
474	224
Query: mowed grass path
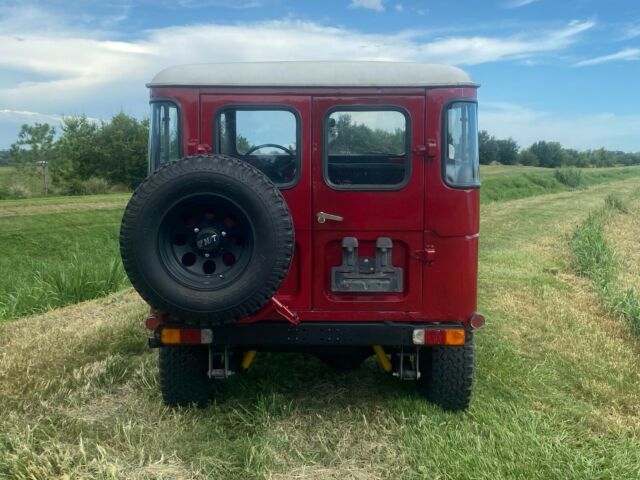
556	394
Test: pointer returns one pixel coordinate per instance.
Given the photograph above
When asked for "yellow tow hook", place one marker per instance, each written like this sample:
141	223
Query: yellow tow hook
248	359
383	360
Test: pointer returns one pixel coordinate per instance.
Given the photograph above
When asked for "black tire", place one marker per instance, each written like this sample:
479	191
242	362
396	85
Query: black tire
347	360
447	374
219	277
183	376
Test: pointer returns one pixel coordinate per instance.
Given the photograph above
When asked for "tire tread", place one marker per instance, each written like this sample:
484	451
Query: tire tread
447	375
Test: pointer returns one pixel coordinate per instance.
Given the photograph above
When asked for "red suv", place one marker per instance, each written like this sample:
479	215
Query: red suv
323	207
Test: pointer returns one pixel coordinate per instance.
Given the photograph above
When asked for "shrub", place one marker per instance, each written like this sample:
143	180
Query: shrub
615	203
74	187
95	186
571	176
91	186
119	188
18	190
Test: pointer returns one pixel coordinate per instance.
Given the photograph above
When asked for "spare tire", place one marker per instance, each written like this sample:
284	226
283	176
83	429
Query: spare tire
207	239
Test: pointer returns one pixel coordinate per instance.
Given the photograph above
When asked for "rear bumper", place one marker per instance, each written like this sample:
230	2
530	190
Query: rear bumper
315	334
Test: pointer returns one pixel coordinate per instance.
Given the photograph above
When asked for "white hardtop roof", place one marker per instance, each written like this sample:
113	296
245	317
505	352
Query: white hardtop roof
312	74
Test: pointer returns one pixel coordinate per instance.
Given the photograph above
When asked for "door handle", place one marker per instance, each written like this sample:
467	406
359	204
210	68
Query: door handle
323	217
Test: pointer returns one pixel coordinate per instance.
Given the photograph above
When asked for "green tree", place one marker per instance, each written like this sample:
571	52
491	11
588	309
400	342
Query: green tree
550	154
348	138
488	147
5	157
528	158
123	143
35	144
242	144
79	155
507	151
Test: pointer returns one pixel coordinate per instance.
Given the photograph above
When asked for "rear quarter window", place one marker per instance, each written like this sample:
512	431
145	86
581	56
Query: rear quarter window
164	134
461	166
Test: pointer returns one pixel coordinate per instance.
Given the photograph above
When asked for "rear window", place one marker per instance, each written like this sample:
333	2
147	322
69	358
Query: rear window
367	149
267	138
164	134
461	157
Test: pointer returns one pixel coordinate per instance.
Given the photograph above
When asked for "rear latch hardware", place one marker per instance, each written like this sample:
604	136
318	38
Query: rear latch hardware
366	274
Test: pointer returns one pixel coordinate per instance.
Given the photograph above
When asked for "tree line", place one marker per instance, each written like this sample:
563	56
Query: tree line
548	154
83	154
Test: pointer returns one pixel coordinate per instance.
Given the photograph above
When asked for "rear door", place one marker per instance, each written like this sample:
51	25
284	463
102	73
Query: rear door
368	207
272	132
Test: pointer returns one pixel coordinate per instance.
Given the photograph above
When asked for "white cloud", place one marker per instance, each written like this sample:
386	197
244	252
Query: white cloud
632	32
399	7
580	131
376	5
474	50
74	65
29	117
32	117
519	3
628	54
72	70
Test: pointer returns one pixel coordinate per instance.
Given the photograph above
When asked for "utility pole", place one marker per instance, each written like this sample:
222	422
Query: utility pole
45	167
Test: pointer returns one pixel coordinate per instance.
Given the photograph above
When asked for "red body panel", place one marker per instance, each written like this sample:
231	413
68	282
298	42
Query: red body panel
425	215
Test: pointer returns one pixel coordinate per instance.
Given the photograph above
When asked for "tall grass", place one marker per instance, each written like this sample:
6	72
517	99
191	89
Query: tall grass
595	259
78	279
571	177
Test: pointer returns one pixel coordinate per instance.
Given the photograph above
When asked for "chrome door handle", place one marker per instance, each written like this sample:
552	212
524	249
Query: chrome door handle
323	217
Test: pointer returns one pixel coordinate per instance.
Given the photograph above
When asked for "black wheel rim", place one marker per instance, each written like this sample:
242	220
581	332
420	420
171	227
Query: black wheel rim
205	241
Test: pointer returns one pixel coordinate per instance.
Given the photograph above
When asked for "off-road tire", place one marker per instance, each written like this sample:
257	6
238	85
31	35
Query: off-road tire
207	176
345	361
447	374
183	376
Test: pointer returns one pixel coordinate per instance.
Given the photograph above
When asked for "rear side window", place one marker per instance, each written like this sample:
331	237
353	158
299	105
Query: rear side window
268	138
367	149
164	134
461	158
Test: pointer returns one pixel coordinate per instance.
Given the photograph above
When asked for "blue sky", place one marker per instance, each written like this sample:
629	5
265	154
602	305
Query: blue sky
567	71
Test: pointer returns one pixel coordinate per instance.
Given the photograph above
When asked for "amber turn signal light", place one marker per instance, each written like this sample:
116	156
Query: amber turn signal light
444	336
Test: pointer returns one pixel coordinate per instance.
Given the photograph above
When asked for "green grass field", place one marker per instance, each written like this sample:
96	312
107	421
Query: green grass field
57	251
556	392
501	182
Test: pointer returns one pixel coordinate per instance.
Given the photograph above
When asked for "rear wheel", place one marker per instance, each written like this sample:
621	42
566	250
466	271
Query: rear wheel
183	376
447	374
207	240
